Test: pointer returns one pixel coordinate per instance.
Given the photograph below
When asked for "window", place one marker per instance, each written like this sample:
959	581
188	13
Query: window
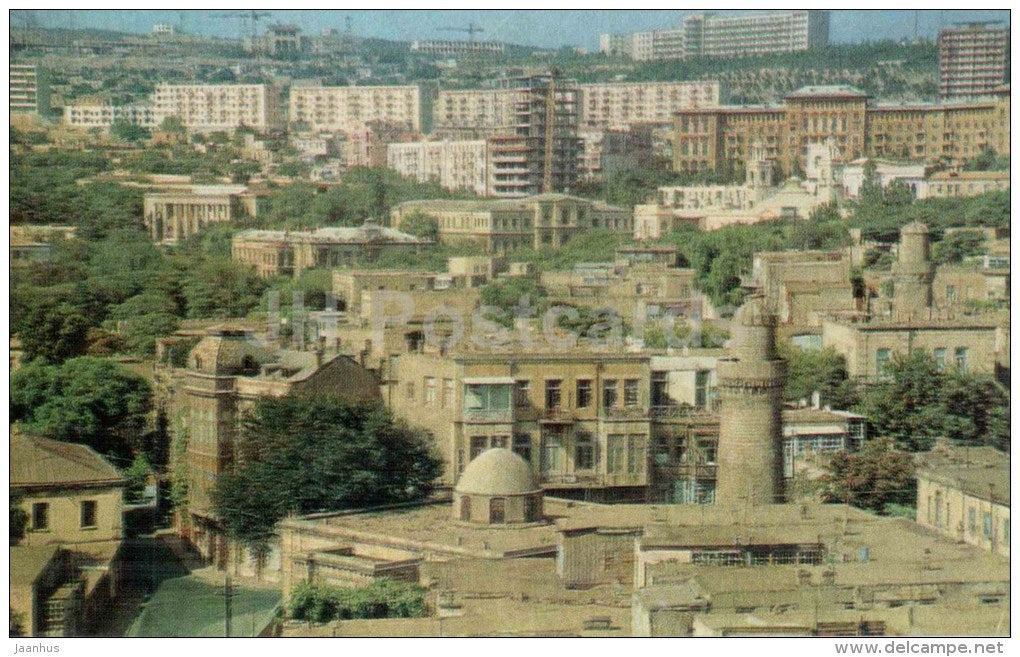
522	392
499	441
487	397
88	514
583	393
950	293
986	527
660	388
630	392
448	399
584	452
552	447
616	453
701	388
465	508
410	390
972	520
881	360
636	454
522	446
40	516
478	445
961	358
553	394
609	393
940	359
497	510
430	391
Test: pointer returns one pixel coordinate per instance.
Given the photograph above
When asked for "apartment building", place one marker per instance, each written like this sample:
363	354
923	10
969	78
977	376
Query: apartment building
474	113
720	139
351	108
547	149
289	253
952	184
28	89
214	107
174	216
708	35
620	105
103	115
456	48
973	59
578	419
502	225
454	165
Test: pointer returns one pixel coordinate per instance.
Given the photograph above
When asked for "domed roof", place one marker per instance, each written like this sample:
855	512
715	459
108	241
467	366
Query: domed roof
226	351
754	312
497	471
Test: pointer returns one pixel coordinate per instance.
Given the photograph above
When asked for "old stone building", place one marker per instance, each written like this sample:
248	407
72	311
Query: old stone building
226	373
804	286
289	253
532	222
171	217
497	488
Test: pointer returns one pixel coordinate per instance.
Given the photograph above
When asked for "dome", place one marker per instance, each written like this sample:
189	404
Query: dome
226	351
914	227
497	471
754	312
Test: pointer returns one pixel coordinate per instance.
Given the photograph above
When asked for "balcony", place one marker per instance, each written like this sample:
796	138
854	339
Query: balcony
488	415
556	416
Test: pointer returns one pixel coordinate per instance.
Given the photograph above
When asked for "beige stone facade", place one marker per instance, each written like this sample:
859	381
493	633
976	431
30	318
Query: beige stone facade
621	105
175	216
532	222
351	108
803	286
474	113
454	165
950	184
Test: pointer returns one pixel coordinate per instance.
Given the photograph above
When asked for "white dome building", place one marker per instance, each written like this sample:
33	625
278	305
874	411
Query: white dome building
497	488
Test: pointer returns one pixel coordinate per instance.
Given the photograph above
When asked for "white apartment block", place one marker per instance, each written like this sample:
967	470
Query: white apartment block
455	165
478	110
213	107
705	35
351	108
619	105
456	48
104	115
26	89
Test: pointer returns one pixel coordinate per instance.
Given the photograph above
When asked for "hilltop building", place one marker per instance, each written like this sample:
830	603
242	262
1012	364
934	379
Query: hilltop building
353	107
973	59
174	216
216	107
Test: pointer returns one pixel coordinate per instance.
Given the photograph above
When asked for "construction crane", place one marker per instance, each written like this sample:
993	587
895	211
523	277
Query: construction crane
253	17
471	30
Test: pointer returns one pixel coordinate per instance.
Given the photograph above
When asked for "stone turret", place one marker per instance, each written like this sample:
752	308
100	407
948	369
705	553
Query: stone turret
760	172
750	384
913	273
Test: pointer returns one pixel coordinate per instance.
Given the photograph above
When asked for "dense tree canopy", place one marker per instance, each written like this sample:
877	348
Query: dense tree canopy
303	456
872	478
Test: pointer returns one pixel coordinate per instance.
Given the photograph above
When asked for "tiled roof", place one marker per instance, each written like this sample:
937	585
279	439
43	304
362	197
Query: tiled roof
43	462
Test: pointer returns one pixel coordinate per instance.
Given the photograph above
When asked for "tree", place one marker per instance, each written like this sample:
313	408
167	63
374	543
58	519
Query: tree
822	370
421	225
18	517
872	478
509	294
137	476
300	456
86	400
53	331
956	246
129	131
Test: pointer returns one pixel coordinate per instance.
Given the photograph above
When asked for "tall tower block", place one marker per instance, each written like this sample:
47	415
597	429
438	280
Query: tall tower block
913	272
750	384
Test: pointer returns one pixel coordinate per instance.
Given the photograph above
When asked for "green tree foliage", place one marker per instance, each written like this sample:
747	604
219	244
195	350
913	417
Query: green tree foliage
956	246
18	516
421	225
383	598
221	288
129	131
509	294
137	475
16	623
83	400
52	330
302	456
822	370
916	402
880	216
987	160
872	478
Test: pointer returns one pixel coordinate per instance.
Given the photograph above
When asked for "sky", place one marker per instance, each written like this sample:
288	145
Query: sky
545	29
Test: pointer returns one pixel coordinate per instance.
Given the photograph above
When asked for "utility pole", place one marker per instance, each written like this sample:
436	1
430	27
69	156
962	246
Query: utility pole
228	595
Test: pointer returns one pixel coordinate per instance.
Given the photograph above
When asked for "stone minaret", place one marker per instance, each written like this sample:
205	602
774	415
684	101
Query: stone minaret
750	384
760	173
912	273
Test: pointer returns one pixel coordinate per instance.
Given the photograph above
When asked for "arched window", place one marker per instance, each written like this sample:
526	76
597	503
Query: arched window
497	511
465	508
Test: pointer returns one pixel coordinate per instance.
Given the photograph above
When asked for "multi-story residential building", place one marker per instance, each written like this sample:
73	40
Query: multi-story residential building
456	48
474	113
29	89
352	108
104	115
212	107
367	146
579	419
288	253
455	165
174	216
226	373
720	139
950	184
706	35
501	225
963	494
973	59
546	123
620	105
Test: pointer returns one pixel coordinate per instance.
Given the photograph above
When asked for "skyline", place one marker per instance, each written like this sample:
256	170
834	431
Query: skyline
536	28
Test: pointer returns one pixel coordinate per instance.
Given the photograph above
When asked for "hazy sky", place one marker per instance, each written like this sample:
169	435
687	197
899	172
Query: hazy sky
547	29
